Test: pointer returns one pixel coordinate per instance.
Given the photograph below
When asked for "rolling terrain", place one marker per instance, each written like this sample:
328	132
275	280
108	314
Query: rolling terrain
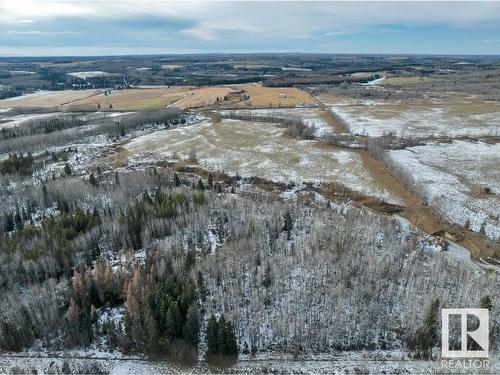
296	213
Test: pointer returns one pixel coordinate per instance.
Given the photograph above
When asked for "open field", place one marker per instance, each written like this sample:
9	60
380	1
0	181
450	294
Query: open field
258	149
396	81
366	74
48	98
453	178
133	99
202	97
265	97
153	98
121	100
448	116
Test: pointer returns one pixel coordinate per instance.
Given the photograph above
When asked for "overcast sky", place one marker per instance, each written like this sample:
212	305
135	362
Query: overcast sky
99	27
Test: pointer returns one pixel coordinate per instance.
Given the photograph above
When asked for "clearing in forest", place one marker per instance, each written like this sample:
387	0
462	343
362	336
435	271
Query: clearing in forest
260	149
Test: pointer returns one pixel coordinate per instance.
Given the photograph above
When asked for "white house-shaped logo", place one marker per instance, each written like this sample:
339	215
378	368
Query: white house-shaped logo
479	336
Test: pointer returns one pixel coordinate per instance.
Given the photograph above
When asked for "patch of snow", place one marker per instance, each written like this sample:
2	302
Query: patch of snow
89	74
373	82
113	314
462	255
26	96
18	120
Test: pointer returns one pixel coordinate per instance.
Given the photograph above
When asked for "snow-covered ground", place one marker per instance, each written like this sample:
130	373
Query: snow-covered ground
452	178
89	74
18	120
378	117
374	82
310	116
377	362
32	95
257	149
13	121
21	72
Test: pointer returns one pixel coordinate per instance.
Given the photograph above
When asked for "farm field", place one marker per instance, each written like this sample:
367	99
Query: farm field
132	99
120	100
154	98
251	148
448	116
202	97
265	97
397	81
453	177
46	99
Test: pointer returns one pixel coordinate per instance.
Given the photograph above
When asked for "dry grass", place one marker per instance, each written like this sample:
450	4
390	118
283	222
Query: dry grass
67	64
122	100
159	97
256	149
406	80
335	123
366	74
202	97
48	99
264	97
134	99
121	155
443	115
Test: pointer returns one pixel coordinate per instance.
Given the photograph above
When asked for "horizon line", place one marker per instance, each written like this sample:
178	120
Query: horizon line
254	53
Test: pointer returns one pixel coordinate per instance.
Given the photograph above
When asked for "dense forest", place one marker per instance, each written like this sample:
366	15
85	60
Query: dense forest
181	264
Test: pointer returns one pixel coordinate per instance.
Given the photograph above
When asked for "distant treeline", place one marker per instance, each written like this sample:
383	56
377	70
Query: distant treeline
293	81
4	94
